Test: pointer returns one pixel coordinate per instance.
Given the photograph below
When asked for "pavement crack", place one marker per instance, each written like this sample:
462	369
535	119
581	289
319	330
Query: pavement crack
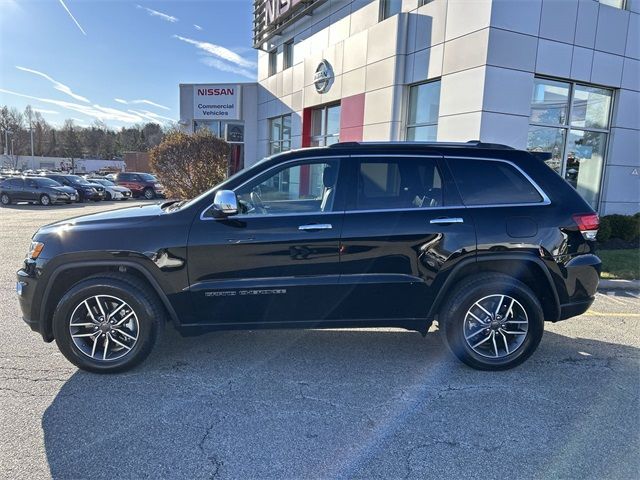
216	464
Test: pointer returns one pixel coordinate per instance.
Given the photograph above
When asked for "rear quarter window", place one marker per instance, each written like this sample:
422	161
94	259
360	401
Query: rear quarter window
486	182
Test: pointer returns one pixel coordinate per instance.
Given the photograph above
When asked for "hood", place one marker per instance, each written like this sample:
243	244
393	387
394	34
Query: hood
110	219
118	188
64	189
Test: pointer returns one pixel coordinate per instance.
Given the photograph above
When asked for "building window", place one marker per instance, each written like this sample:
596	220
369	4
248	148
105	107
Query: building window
424	104
273	62
325	125
388	8
279	134
288	55
214	126
614	3
571	121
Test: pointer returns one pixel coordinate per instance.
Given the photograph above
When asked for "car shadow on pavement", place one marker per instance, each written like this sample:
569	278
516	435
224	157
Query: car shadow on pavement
348	403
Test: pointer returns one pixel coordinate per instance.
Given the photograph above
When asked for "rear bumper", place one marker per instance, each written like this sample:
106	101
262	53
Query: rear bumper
574	309
580	276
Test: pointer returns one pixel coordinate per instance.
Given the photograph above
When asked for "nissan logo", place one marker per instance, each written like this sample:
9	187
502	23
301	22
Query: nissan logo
323	78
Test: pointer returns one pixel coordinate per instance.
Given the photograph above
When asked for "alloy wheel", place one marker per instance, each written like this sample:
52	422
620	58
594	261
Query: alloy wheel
495	326
5	199
45	200
104	327
148	194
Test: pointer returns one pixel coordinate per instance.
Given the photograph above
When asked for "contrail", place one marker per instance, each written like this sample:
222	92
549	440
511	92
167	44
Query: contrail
72	17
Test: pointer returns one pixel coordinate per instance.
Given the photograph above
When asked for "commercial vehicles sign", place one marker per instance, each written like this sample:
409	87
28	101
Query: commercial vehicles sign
216	102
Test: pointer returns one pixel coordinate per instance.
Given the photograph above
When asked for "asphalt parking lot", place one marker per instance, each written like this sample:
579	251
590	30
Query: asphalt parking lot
380	403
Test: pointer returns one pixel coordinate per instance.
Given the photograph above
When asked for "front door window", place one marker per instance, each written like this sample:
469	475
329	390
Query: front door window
306	187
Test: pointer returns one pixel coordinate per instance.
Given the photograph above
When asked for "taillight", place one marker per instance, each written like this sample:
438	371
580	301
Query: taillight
588	224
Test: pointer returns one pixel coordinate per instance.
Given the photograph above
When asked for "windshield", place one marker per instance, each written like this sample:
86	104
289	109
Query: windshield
148	177
103	182
76	180
46	182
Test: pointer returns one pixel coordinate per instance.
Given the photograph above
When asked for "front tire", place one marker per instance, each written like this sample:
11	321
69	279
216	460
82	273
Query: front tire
108	323
492	322
108	196
5	199
45	200
149	194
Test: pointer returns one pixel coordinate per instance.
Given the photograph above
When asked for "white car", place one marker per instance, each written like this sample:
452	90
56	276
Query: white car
112	191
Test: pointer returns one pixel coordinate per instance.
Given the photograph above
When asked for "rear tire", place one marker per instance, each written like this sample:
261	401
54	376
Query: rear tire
126	345
45	200
5	199
492	322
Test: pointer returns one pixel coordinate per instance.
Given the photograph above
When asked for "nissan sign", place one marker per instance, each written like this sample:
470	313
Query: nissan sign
216	102
323	77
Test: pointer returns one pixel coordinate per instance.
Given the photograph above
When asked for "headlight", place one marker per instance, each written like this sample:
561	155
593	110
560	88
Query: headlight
35	250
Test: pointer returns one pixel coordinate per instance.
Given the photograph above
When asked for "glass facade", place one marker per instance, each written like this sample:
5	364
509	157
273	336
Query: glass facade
571	121
279	134
424	105
325	126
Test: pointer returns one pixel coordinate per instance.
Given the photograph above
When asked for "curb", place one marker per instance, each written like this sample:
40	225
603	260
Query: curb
633	285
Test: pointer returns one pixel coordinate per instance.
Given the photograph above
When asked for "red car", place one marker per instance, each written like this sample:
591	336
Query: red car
141	184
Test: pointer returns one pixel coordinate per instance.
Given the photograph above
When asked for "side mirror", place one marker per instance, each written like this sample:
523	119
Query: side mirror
225	203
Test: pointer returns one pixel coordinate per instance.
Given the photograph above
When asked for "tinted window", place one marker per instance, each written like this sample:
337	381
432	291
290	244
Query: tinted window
146	177
398	183
483	182
125	177
14	182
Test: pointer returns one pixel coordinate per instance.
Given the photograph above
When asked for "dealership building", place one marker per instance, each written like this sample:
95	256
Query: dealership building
559	76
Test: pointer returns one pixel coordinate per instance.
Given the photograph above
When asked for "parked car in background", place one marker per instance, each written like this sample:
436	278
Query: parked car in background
141	184
112	191
44	191
86	191
485	239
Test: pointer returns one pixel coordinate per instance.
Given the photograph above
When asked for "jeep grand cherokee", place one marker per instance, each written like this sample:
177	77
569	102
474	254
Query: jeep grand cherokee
485	239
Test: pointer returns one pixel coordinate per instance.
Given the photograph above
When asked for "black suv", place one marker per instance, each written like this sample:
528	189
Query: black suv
86	190
487	240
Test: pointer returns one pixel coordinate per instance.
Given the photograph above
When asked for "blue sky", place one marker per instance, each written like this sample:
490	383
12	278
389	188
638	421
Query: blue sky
123	60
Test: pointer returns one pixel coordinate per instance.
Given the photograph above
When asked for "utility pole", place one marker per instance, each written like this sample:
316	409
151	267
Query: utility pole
33	163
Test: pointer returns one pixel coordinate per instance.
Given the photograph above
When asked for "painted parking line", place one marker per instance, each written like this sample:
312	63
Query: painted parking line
593	313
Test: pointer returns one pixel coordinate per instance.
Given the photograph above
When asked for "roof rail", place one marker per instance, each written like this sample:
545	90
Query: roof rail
469	144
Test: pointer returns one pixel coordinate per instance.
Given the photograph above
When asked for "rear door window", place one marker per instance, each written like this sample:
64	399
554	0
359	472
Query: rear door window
488	182
403	183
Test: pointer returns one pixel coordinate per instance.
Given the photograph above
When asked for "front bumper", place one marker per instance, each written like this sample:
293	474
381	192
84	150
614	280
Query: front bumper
26	285
63	198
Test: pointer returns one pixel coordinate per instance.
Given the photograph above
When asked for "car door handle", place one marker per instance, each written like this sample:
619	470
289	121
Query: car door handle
442	221
315	226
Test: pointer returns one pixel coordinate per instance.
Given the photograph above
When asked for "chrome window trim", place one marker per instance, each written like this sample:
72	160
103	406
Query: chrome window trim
545	198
